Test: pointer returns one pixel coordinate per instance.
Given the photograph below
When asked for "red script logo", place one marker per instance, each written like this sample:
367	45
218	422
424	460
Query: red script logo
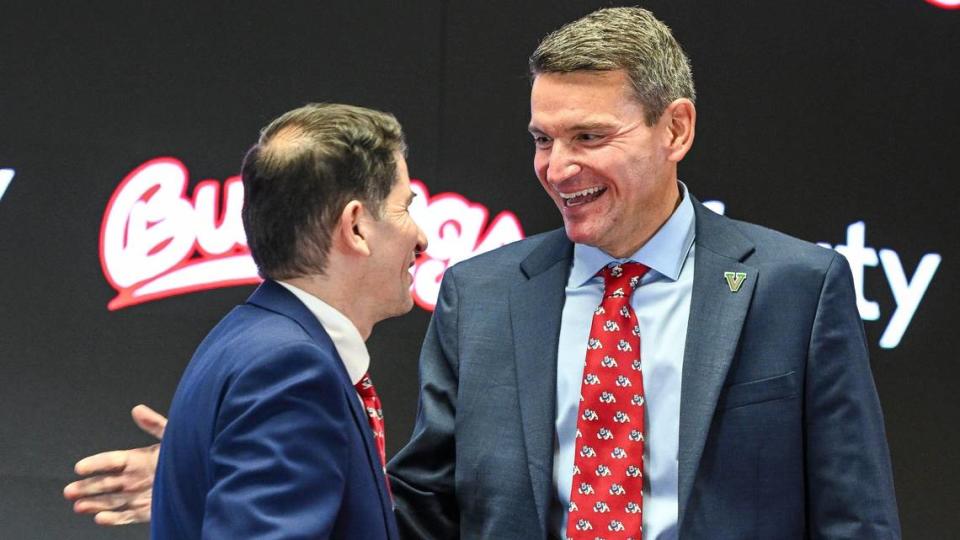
156	241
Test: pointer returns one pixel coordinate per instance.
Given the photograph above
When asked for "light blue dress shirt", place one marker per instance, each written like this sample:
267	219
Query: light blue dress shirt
662	306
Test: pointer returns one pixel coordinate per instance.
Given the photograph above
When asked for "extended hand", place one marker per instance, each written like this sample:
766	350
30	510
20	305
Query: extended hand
119	483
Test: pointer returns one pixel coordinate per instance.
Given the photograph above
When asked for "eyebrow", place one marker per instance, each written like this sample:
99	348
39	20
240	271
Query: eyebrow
590	126
584	126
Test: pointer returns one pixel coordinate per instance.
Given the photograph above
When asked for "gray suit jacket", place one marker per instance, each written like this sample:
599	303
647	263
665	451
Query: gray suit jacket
781	434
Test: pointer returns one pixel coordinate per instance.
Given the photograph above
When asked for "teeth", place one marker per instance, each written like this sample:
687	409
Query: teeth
588	191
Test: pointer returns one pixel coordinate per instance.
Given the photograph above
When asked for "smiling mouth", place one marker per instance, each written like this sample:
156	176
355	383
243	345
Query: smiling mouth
582	197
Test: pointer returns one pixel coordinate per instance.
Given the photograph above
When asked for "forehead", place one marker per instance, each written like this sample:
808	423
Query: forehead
590	97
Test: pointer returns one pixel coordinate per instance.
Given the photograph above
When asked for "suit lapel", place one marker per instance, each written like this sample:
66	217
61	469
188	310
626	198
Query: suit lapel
536	305
274	297
373	458
716	319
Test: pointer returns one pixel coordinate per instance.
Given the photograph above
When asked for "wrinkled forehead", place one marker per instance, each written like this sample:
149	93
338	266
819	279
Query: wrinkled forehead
581	100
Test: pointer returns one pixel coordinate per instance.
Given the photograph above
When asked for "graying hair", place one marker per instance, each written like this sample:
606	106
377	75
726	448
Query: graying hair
628	38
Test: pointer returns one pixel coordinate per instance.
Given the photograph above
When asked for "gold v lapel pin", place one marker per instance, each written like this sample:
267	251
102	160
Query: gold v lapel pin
734	280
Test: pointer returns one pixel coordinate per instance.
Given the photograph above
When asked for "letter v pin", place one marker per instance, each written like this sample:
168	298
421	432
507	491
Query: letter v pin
734	280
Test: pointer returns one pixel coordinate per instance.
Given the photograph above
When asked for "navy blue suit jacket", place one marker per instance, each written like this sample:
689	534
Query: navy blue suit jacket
267	438
781	434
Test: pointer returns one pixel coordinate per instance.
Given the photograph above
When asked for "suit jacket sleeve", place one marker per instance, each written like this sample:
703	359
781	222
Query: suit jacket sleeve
279	451
849	481
422	473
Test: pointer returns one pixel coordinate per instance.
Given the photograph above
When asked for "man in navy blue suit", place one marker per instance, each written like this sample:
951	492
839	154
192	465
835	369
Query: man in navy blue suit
268	433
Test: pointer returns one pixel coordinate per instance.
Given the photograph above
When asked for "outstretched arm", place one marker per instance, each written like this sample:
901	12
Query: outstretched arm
118	484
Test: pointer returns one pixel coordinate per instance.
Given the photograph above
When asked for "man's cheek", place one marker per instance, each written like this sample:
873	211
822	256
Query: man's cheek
542	177
540	165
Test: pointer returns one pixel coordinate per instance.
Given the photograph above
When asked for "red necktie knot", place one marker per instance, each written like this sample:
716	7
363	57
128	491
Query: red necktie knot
621	279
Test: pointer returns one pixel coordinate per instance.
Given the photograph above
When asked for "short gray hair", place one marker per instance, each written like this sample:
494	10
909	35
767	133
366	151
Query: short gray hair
628	38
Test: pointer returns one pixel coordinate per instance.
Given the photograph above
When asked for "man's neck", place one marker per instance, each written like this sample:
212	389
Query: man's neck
672	201
338	295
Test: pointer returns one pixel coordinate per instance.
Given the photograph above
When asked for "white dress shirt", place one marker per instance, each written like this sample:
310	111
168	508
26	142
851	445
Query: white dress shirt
662	307
345	336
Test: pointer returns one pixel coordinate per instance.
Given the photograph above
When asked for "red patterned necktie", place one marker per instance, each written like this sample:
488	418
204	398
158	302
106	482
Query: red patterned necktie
606	497
371	405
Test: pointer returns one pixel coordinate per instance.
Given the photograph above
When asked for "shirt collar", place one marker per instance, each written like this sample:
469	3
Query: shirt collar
346	338
664	253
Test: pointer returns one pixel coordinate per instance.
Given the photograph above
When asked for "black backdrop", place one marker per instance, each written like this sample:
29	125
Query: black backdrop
812	116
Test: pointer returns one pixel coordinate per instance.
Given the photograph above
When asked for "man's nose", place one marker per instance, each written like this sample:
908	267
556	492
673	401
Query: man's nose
563	164
421	241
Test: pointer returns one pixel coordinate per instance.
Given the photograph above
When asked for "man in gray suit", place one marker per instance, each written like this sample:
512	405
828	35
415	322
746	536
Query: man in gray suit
757	413
762	420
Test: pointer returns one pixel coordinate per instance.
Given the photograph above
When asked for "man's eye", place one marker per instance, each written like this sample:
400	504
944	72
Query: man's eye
541	141
589	137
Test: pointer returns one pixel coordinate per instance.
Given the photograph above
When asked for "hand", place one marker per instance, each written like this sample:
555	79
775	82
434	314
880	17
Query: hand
119	484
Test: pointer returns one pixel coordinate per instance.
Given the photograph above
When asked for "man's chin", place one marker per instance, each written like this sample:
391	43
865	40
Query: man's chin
405	307
579	235
397	309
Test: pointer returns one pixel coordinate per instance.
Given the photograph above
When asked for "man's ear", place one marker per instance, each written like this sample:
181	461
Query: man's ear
680	120
350	232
